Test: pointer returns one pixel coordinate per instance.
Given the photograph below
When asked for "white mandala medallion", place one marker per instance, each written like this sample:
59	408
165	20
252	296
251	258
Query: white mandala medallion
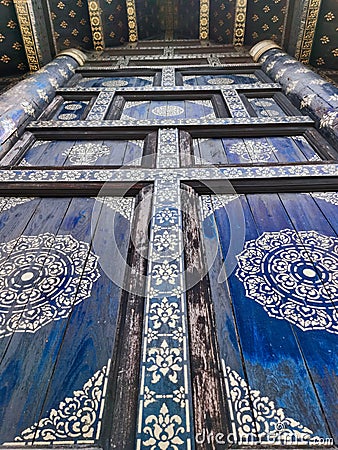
220	81
168	111
294	276
41	279
115	83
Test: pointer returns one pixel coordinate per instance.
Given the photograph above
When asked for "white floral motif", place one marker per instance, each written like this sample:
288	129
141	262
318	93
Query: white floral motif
86	153
329	197
166	241
215	202
307	100
75	418
291	87
329	119
42	94
122	205
280	73
167	215
149	396
253	150
72	106
164	313
163	431
7	203
257	415
28	108
165	272
294	276
40	280
164	361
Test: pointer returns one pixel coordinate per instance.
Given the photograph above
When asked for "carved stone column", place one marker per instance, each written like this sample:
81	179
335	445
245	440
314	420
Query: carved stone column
27	99
313	95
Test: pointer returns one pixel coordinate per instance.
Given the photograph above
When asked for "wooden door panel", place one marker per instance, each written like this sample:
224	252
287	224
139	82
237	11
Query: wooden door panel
64	363
277	352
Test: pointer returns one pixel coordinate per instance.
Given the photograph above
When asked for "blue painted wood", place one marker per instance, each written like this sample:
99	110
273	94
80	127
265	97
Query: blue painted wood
224	79
115	82
195	110
323	363
222	301
64	354
306	148
266	107
49	153
288	151
133	153
29	357
70	153
71	110
272	358
89	339
210	151
136	112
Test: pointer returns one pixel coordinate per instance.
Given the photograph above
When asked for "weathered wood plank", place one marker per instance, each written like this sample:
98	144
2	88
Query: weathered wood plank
120	416
208	394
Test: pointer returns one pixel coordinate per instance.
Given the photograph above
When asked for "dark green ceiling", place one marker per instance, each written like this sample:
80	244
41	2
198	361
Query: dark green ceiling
69	24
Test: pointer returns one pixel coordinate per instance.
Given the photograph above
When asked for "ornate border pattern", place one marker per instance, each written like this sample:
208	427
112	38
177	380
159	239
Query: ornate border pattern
77	420
26	28
101	106
240	19
149	89
168	123
96	24
234	103
165	403
204	19
304	45
132	21
33	175
265	423
168	77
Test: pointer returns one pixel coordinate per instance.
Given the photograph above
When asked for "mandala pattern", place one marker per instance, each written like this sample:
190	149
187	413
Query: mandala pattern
256	416
294	276
72	107
220	81
41	279
77	417
67	117
253	150
168	111
86	153
115	83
